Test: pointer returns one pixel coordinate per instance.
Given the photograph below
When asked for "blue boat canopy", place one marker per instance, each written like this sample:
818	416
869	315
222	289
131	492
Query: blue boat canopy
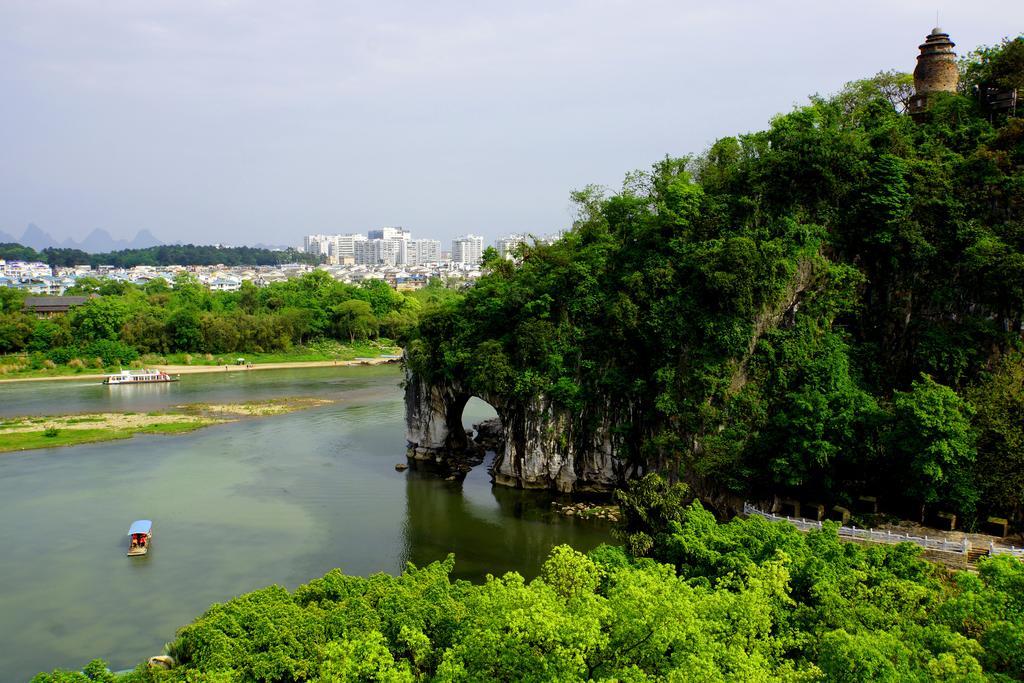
141	526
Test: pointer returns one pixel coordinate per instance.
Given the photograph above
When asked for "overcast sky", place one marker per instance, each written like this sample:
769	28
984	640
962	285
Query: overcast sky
244	122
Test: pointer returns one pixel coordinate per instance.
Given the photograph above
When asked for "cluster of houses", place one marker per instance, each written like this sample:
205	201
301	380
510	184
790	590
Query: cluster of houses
37	278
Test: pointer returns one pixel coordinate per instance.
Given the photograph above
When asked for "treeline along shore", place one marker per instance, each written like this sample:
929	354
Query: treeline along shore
308	319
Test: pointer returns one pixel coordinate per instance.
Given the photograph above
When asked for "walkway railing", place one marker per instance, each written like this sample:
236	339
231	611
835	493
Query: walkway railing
885	536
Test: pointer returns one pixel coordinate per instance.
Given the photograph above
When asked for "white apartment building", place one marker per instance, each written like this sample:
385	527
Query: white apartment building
421	252
319	245
387	233
390	252
342	246
506	244
467	249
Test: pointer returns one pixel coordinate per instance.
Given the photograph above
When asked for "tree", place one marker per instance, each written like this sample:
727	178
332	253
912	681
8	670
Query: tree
15	331
98	318
185	329
381	297
48	334
933	439
894	86
189	291
157	285
490	258
1001	66
649	506
999	422
355	319
11	300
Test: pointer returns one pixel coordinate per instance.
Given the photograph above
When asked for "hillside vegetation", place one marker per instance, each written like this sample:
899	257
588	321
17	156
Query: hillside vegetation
827	308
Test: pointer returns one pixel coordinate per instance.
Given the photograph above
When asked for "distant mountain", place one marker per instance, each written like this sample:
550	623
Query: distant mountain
36	238
6	238
98	241
143	239
272	247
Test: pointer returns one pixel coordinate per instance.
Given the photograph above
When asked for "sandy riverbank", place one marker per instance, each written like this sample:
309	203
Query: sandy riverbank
28	433
193	369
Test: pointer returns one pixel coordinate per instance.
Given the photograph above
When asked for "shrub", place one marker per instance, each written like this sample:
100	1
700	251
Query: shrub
76	363
49	364
62	354
112	352
51	432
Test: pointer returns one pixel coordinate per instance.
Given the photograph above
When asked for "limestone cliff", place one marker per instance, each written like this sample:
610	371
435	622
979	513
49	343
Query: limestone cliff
542	446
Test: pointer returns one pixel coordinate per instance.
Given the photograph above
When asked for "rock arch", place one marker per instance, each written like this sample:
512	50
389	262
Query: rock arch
542	448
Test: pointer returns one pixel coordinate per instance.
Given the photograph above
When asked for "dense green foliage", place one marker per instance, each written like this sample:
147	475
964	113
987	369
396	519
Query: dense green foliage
126	321
164	255
745	601
805	310
999	66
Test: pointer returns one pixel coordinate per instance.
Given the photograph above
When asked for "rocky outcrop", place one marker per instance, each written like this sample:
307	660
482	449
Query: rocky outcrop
541	445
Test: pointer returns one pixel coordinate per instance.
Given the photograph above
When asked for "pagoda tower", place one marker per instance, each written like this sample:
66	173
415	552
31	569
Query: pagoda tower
936	69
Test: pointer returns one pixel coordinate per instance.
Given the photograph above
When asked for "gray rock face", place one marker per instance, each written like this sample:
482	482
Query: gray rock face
542	446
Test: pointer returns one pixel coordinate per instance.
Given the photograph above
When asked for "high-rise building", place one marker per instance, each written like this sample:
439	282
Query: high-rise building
391	252
467	249
420	252
387	233
506	244
317	244
344	245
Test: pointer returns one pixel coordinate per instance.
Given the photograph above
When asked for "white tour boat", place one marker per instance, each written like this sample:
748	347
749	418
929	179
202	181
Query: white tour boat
140	377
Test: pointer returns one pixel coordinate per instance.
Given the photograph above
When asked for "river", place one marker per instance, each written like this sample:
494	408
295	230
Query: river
235	507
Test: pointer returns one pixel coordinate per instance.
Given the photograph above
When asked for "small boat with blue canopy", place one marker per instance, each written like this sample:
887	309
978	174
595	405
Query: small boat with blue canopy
140	535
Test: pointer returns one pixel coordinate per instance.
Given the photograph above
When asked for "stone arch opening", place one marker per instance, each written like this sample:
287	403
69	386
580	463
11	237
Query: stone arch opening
481	423
473	428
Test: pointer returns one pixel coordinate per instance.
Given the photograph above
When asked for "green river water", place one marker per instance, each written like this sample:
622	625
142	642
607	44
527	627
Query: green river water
235	507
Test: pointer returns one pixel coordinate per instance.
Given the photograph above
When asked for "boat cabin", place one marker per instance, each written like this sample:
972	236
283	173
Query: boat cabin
140	535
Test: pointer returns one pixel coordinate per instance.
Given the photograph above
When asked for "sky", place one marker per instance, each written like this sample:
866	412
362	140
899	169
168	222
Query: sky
223	121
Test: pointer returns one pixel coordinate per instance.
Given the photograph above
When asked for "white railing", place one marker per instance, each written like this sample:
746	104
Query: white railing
1012	550
886	536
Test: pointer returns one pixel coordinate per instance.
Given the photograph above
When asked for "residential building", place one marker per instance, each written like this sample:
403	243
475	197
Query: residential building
506	244
342	246
420	252
386	233
467	249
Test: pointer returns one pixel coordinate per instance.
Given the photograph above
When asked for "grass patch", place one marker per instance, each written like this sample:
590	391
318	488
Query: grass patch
19	434
54	438
23	441
177	427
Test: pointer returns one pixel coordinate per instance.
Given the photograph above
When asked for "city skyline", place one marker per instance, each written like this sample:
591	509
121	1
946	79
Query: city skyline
395	245
224	123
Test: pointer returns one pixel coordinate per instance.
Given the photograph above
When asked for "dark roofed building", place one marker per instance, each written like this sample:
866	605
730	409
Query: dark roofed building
49	306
